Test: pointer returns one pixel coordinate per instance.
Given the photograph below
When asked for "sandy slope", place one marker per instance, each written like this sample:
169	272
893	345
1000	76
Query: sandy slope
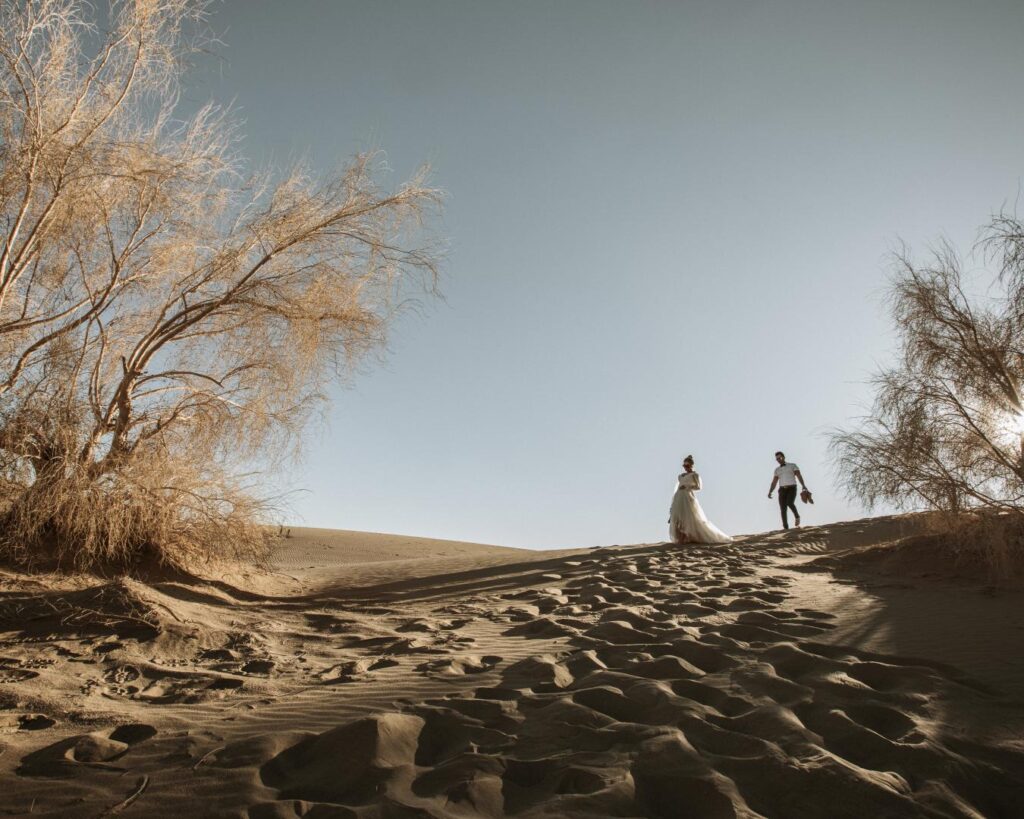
407	677
304	548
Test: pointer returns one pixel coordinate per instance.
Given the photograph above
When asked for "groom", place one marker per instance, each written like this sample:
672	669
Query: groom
786	476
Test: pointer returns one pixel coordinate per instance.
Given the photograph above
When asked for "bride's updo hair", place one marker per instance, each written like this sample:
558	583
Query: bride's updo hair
688	459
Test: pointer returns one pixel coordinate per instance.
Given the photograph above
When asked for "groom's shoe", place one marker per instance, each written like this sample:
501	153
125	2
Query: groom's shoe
797	523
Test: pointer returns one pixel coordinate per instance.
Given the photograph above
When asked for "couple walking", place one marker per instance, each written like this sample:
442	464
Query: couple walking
687	522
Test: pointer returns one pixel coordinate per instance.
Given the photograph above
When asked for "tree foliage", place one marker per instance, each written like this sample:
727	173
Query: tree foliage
165	318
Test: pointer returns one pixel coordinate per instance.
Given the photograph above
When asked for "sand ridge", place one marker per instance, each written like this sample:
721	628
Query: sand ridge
649	680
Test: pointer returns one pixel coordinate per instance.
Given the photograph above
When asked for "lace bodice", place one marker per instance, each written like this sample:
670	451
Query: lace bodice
688	480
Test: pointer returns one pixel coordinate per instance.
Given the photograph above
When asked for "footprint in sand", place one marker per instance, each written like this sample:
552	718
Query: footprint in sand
75	754
219	655
458	666
186	688
259	667
542	671
330	623
122	674
119	691
418	625
539	628
346	672
353	670
16	675
35	722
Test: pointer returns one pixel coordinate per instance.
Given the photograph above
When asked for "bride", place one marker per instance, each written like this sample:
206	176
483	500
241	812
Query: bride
687	522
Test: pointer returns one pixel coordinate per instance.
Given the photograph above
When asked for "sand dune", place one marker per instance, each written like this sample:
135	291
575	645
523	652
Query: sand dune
401	677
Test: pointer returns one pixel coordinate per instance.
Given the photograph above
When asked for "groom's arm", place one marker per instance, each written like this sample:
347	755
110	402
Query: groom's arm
771	488
799	477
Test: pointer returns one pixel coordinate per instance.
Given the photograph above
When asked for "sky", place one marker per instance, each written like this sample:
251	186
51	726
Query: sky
668	226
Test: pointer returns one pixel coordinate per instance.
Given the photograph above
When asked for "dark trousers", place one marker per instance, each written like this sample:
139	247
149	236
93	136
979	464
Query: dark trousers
787	500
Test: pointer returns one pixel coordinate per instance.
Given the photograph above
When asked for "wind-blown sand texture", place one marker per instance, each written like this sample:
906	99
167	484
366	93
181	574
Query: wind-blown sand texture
401	677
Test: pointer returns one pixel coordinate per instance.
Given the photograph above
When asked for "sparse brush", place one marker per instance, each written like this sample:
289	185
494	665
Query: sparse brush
164	319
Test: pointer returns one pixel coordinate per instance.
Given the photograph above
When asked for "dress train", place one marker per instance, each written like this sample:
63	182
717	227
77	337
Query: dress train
687	521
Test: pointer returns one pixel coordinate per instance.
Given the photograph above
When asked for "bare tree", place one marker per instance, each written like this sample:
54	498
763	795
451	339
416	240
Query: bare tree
947	428
164	319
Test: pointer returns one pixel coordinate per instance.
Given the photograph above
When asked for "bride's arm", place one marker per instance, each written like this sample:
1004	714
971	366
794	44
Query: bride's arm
696	482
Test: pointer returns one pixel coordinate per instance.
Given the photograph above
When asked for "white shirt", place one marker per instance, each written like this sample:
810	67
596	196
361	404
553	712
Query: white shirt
787	474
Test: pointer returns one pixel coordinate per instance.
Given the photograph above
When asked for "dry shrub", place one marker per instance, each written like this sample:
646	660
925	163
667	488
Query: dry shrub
150	513
167	321
946	431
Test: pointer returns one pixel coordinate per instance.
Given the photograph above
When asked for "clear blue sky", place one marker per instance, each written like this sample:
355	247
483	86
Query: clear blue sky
668	225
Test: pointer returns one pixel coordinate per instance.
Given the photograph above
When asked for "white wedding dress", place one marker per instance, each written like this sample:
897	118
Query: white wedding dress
687	521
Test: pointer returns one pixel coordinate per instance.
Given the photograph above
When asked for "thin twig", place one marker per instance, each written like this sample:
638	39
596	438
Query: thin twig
207	755
140	787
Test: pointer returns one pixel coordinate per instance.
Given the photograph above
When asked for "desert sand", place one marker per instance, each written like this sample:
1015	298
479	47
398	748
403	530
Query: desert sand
368	675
